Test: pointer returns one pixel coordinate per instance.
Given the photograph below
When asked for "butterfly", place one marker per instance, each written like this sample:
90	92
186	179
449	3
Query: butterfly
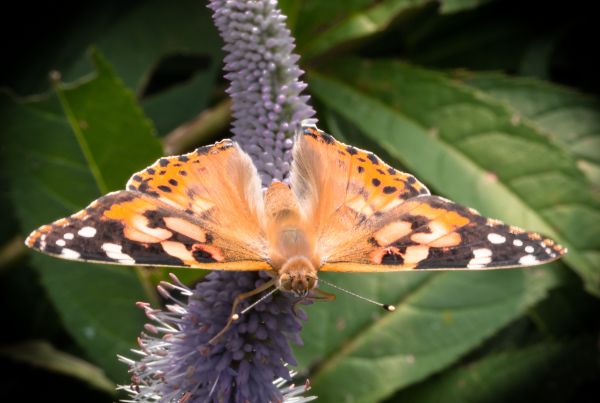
345	210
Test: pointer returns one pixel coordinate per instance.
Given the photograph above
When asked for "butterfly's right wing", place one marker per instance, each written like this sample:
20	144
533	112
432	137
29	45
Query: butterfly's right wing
367	216
203	209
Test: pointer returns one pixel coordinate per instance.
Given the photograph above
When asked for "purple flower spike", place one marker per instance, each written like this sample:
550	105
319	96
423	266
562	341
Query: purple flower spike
248	365
265	86
249	362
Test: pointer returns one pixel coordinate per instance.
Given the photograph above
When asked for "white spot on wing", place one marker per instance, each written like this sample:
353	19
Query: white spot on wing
518	242
111	248
496	238
114	252
61	242
87	232
529	249
528	259
473	211
482	257
69	254
68	235
482	252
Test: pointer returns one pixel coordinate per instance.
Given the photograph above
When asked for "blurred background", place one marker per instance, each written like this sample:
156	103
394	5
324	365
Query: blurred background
490	103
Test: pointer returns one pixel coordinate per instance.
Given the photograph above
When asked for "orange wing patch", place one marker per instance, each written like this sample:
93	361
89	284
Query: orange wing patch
134	216
372	185
190	181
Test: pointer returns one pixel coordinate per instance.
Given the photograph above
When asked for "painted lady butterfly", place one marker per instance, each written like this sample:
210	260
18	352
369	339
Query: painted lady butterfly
346	210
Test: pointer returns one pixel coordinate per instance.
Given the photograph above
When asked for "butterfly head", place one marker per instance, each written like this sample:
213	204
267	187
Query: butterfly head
297	275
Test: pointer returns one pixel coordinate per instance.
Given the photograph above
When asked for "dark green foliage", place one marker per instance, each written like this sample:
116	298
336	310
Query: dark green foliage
493	104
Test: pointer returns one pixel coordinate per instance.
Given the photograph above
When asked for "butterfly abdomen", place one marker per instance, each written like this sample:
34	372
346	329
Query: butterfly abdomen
288	233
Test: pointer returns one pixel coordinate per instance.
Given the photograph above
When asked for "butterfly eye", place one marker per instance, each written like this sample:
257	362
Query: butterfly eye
312	282
284	282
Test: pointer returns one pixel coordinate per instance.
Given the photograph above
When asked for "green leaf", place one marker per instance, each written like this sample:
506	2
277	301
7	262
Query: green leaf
453	6
20	282
171	107
547	371
439	318
115	145
135	38
60	153
492	37
41	354
151	30
569	117
472	149
537	58
314	16
568	312
291	9
156	30
368	20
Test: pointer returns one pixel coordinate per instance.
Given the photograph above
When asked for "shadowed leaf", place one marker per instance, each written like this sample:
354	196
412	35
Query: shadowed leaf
569	117
43	355
61	155
547	371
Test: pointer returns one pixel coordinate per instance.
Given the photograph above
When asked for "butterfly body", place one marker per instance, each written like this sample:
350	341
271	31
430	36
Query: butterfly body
344	210
292	244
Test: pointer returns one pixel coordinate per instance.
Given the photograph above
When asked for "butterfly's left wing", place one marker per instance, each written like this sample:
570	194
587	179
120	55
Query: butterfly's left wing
203	209
371	217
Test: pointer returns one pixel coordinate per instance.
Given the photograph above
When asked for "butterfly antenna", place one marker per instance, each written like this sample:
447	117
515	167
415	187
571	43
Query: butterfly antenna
389	308
236	316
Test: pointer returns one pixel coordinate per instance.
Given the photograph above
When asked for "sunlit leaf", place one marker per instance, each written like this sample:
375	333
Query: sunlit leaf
472	149
453	6
313	16
569	117
368	20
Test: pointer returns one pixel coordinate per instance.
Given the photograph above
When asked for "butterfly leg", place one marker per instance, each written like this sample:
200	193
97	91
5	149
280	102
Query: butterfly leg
238	299
324	296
